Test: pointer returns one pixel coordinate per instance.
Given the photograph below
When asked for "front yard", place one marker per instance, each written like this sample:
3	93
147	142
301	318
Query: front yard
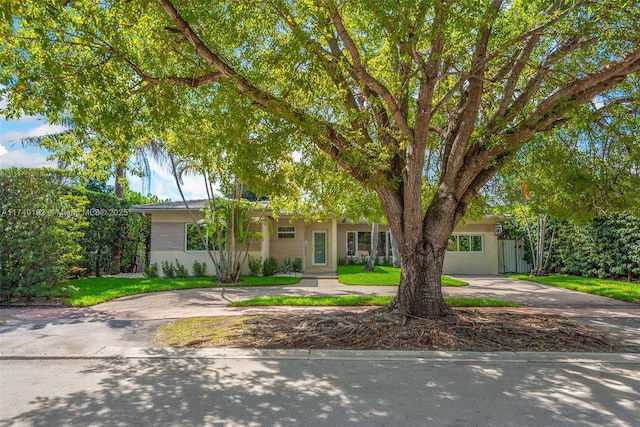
95	290
623	291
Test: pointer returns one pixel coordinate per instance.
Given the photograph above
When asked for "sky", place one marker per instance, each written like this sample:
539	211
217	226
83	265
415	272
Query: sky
13	154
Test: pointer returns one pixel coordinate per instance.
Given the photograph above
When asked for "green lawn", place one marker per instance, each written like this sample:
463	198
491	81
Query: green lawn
359	300
607	288
382	276
94	290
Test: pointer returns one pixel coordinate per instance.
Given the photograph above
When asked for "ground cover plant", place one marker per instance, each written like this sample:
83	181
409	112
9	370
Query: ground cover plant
358	300
382	276
95	290
379	329
623	291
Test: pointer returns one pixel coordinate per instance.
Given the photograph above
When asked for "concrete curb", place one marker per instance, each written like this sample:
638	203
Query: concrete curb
311	354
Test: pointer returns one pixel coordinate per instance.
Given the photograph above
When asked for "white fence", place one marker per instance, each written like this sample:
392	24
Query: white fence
510	257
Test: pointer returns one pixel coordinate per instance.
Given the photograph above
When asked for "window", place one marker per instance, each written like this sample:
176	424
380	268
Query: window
465	243
359	243
193	240
286	232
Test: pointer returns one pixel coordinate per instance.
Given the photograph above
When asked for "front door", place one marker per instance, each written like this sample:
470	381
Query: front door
319	248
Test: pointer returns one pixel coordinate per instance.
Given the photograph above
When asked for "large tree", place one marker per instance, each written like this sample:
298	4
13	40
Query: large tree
420	101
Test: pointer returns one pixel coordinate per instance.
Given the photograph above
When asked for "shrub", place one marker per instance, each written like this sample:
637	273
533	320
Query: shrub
269	267
255	266
151	271
181	270
297	265
286	265
41	221
199	269
168	269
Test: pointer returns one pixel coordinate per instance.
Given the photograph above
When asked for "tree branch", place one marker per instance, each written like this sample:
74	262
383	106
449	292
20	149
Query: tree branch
323	134
467	115
362	75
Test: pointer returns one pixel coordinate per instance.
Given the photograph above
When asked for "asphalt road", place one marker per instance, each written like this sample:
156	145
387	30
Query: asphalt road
323	389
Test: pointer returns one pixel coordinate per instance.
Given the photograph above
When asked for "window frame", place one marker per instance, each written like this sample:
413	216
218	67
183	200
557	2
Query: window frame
470	244
280	234
356	243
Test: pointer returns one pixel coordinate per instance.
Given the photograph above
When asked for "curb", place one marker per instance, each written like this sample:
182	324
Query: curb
354	355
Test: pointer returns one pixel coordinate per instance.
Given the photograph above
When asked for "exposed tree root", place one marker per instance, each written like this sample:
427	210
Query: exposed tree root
384	330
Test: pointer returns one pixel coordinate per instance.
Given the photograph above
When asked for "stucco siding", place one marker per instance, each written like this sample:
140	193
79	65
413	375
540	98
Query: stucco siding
485	262
281	248
187	259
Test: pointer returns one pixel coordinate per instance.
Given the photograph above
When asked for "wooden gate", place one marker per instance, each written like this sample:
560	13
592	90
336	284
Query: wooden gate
510	257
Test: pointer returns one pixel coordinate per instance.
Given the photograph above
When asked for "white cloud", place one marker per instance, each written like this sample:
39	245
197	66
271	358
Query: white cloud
3	150
164	185
15	137
24	159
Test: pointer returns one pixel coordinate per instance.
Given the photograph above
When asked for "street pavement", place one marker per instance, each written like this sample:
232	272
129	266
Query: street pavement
100	366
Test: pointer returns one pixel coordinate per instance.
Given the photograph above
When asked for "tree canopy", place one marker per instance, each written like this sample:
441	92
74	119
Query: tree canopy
421	102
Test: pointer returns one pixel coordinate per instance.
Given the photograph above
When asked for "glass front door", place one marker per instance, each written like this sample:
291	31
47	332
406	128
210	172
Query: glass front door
319	248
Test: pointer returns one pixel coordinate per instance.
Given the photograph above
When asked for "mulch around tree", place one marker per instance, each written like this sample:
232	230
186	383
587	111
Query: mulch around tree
378	329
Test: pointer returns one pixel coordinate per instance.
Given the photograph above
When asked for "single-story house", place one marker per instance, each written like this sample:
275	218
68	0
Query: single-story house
473	248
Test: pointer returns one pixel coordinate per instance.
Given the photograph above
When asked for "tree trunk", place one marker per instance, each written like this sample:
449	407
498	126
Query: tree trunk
422	250
420	290
538	256
116	248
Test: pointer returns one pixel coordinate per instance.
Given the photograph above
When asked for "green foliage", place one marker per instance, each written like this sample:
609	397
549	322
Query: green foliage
181	271
168	270
255	266
151	271
582	171
41	218
296	266
270	266
199	269
231	225
608	247
107	216
286	265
